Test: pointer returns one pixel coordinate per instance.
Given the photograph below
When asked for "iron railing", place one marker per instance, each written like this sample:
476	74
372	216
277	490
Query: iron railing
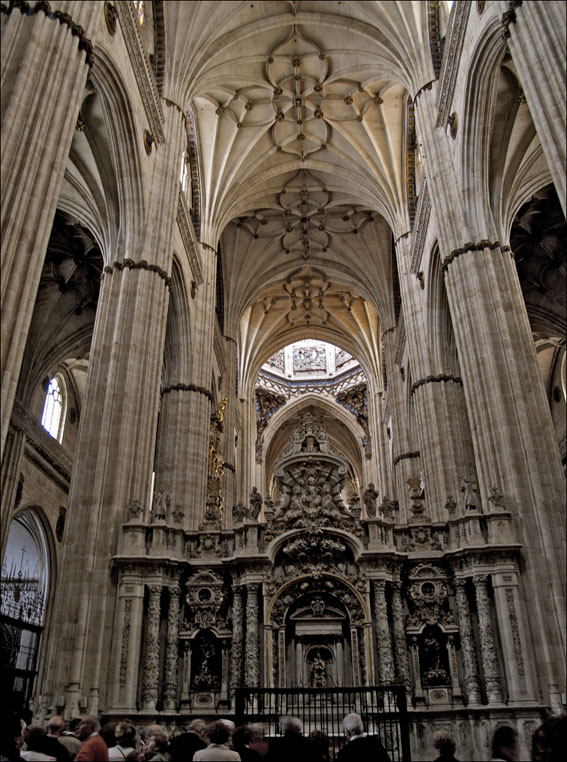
383	710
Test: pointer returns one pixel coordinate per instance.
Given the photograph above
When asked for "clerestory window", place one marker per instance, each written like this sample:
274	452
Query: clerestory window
53	417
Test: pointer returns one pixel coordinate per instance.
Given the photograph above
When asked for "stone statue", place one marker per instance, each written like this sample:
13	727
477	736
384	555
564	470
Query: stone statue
161	505
318	672
178	514
239	512
255	504
387	507
369	498
468	488
496	498
450	505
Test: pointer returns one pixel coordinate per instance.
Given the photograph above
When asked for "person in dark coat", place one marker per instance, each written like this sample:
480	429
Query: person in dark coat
292	746
182	747
241	740
360	746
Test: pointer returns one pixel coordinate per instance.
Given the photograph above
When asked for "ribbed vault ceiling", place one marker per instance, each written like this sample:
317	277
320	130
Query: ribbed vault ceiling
300	117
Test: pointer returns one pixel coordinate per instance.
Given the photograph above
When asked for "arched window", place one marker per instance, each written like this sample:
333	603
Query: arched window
53	417
183	172
25	581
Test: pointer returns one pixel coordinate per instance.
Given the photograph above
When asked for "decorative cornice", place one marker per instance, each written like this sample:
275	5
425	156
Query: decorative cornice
44	445
188	237
63	18
129	264
188	388
451	59
421	225
470	247
142	70
406	456
435	41
435	380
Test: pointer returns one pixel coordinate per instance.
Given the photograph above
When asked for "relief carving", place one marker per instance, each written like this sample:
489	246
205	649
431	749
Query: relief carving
205	597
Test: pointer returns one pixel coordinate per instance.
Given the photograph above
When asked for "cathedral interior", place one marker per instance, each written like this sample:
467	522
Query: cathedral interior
283	358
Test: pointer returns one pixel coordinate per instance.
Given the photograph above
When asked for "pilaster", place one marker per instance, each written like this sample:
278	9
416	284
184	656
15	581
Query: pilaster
488	652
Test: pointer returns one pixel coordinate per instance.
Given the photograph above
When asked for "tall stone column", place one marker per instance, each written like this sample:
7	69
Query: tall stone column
128	641
537	44
252	655
237	639
45	63
487	641
512	636
150	666
471	680
406	461
172	650
227	443
400	642
382	633
514	441
119	415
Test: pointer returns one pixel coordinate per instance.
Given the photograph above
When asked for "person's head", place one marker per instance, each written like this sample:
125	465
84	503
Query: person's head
34	737
319	744
241	737
125	733
549	740
88	725
56	726
291	725
158	741
199	727
353	726
444	744
74	724
108	735
218	732
504	743
148	732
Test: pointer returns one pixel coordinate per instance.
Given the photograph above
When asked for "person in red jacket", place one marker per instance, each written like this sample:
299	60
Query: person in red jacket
94	748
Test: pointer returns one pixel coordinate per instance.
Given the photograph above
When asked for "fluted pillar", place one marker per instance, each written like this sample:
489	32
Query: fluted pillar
127	639
537	44
252	655
150	665
172	650
44	72
514	441
382	633
237	639
119	415
400	642
488	651
471	680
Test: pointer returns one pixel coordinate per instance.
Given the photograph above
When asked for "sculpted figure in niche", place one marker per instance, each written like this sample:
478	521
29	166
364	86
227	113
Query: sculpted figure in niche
161	505
310	444
468	489
369	499
318	672
255	504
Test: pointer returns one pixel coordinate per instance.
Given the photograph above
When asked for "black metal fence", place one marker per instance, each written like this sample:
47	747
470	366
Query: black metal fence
383	710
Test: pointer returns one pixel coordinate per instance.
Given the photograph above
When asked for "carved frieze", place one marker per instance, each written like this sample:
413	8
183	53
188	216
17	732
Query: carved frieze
428	593
205	597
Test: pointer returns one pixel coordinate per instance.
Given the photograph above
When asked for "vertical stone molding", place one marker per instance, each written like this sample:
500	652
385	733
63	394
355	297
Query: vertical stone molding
400	643
151	651
252	655
382	633
171	651
512	636
237	639
487	641
468	650
44	75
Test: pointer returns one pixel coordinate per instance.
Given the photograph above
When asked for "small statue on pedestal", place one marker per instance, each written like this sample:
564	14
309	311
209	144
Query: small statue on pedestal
239	513
255	504
369	498
468	488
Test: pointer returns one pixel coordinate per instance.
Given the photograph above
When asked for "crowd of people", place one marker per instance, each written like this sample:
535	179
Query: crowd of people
84	740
